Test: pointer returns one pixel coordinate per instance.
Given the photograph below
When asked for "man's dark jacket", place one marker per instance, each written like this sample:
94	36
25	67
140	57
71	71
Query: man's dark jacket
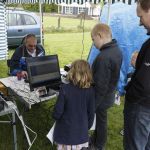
20	52
106	71
138	89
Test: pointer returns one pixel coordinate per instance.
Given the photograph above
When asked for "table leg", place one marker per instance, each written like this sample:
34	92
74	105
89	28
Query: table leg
14	130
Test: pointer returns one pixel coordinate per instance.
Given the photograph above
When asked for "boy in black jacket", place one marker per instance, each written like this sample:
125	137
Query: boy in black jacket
106	69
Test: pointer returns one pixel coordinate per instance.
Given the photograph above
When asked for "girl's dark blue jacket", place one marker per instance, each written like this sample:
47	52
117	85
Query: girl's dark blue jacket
74	114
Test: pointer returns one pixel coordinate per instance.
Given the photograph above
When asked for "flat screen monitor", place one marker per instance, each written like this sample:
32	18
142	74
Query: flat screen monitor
43	71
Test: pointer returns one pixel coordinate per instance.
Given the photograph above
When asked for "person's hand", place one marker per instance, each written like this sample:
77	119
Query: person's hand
24	74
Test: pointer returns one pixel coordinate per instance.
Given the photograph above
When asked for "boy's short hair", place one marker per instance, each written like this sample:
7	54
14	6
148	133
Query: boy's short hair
145	4
102	29
80	74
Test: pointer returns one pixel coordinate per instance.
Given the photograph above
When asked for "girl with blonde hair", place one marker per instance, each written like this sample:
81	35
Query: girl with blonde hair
74	109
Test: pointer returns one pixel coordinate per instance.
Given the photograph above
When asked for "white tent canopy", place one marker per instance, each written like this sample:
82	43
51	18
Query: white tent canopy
68	1
21	1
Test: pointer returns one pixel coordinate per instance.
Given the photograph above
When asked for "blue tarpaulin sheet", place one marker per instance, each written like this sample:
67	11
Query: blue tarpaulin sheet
130	36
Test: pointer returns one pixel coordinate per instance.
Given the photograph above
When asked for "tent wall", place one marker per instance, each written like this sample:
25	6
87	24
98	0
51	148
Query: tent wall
3	33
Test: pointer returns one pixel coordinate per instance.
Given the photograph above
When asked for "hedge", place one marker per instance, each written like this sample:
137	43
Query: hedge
35	7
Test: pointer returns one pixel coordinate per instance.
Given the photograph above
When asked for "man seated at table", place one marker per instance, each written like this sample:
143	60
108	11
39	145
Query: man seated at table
29	48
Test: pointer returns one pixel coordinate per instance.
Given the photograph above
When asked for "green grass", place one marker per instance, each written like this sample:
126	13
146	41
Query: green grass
66	22
69	47
50	24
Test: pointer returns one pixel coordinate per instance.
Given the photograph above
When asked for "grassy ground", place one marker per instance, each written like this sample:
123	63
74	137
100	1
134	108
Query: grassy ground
69	47
39	119
67	24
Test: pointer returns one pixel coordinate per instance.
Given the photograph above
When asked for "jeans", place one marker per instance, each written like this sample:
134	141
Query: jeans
136	127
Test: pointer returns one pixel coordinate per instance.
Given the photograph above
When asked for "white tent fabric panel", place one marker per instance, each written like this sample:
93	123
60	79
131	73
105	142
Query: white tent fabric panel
3	33
92	1
21	1
68	1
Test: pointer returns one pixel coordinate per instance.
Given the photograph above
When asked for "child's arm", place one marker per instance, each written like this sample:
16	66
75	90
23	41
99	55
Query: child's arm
91	108
59	106
102	78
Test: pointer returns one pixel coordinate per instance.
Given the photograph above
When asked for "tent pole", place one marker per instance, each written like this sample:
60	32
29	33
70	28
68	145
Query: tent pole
41	23
108	15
